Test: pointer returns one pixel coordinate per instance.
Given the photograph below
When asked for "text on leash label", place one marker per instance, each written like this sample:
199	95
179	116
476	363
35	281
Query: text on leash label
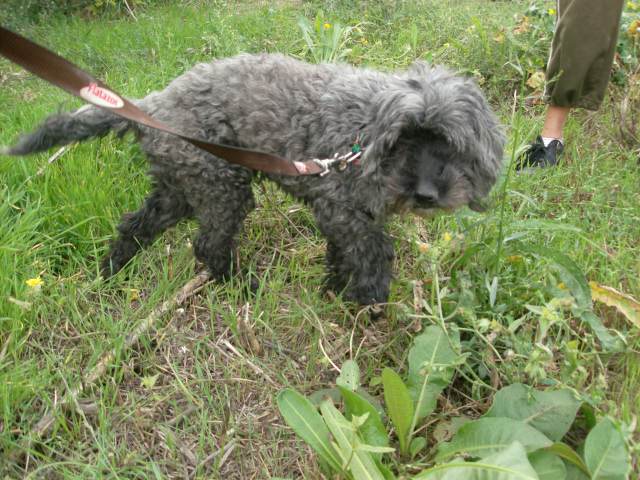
101	96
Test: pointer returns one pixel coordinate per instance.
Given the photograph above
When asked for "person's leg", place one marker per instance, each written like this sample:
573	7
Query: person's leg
582	52
577	72
554	122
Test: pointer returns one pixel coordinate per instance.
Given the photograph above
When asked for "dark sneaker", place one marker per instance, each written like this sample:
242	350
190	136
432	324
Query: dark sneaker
537	155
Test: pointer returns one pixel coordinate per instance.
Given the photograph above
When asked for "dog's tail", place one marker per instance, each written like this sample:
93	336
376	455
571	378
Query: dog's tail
64	128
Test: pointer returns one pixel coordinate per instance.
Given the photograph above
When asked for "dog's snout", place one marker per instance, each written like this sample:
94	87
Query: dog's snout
427	194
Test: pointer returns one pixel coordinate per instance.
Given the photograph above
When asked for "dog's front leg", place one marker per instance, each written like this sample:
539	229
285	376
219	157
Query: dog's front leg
359	254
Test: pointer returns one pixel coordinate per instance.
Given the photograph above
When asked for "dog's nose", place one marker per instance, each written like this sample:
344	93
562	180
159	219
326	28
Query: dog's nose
427	195
426	199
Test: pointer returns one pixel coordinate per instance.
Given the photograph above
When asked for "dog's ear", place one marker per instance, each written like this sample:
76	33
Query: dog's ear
394	112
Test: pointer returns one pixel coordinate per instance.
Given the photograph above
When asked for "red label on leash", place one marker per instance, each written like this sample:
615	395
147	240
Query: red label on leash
301	167
101	96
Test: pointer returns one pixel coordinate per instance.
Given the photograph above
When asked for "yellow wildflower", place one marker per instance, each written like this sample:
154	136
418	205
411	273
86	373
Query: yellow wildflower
514	258
447	237
552	11
35	283
327	26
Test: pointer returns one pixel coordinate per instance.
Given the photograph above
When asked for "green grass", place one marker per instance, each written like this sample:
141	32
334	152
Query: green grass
182	402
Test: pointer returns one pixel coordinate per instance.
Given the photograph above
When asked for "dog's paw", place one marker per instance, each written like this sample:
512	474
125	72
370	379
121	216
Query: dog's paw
107	268
367	294
376	312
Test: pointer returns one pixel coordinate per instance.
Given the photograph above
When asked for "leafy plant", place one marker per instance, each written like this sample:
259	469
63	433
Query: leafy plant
519	437
325	41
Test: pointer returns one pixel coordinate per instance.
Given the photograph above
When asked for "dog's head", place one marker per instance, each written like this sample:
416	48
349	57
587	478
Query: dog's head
435	141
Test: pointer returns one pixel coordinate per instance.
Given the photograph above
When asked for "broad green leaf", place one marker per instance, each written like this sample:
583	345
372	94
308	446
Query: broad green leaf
551	412
574	473
547	465
399	405
488	436
303	418
605	452
510	463
356	460
576	282
349	377
569	455
417	445
569	271
608	341
431	365
373	431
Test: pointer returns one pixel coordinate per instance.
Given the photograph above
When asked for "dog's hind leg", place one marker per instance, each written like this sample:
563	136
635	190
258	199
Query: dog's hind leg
359	253
162	209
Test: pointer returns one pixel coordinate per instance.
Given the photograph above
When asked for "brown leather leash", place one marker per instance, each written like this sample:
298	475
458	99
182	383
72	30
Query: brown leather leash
64	74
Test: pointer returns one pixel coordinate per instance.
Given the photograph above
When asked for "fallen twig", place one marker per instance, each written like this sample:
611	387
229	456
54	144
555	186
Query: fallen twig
130	10
188	290
52	159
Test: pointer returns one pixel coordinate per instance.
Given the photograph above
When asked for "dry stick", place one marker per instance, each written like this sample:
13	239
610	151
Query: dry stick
191	288
130	11
52	159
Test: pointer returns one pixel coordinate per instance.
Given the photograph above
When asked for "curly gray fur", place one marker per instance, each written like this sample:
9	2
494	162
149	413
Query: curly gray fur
430	139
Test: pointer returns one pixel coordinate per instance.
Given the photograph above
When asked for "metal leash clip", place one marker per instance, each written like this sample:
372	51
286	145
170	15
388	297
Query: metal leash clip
341	160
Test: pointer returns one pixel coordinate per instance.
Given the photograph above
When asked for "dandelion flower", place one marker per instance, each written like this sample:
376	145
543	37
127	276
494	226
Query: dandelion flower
34	283
327	26
552	11
447	237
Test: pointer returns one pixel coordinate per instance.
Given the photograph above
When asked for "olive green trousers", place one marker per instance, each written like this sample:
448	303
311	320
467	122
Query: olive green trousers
582	52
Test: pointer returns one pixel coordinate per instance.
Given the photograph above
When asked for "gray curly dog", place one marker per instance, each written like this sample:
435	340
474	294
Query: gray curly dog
430	141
